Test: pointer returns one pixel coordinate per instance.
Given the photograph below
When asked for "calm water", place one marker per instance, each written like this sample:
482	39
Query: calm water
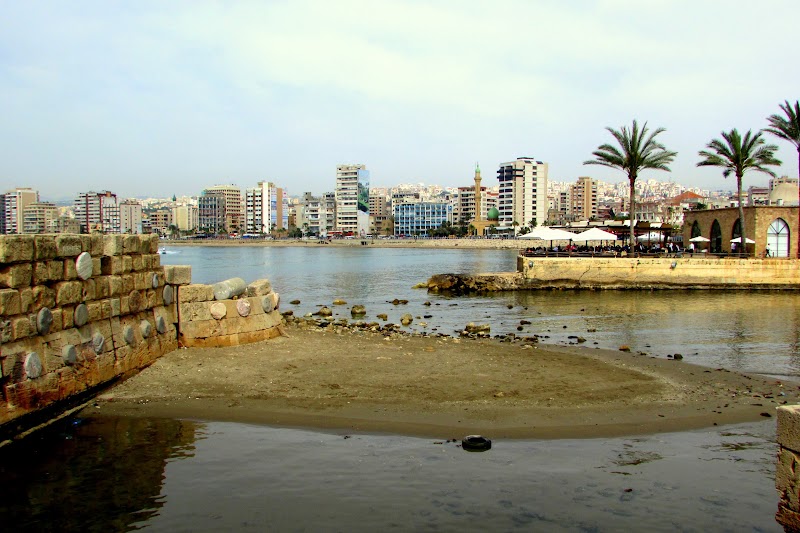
746	331
116	474
108	474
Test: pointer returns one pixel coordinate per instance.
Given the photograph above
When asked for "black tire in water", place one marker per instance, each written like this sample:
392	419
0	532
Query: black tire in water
476	443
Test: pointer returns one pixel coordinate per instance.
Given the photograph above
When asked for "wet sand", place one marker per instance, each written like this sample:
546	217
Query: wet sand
355	381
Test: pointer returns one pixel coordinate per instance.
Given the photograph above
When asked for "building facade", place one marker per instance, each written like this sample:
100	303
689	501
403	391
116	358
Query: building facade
12	212
419	217
771	227
352	199
583	199
130	217
97	211
231	196
40	217
211	213
523	192
186	217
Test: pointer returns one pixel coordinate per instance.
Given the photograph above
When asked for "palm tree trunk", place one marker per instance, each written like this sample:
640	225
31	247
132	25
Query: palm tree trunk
632	210
742	239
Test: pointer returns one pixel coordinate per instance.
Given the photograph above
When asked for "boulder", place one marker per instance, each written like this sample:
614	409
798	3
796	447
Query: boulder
477	328
406	319
339	301
324	311
358	310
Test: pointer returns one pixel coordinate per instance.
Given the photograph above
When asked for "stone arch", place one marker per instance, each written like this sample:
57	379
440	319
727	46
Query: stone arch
715	246
696	230
778	238
737	229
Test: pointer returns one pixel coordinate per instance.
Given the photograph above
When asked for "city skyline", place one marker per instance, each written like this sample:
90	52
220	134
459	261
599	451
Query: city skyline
160	98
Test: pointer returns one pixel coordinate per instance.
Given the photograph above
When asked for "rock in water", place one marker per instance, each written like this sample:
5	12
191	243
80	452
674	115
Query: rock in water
358	310
477	328
406	319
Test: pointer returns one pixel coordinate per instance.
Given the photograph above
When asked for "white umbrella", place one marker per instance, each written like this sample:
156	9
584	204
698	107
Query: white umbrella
699	238
746	240
594	234
547	233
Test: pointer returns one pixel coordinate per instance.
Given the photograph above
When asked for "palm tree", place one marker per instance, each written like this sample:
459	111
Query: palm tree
787	128
637	151
736	155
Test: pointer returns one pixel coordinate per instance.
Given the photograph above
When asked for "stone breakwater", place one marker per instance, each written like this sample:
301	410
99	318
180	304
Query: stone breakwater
627	273
78	312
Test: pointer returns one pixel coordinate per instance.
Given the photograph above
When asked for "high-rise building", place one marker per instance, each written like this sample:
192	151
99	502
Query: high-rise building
211	213
97	211
233	206
130	216
352	199
266	208
185	217
418	217
583	199
40	217
13	209
523	192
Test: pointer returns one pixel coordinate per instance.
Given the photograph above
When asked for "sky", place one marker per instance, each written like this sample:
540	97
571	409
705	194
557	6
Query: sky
154	98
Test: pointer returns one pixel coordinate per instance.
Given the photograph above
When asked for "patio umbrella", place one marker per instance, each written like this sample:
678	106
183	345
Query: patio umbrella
546	233
746	240
699	238
594	234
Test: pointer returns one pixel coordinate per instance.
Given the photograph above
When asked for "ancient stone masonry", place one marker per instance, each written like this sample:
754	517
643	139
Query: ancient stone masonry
77	311
787	473
228	313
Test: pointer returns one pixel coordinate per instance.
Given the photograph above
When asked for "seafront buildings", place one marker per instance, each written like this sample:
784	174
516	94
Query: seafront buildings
523	192
352	199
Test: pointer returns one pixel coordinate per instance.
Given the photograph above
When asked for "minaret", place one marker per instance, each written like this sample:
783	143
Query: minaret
477	193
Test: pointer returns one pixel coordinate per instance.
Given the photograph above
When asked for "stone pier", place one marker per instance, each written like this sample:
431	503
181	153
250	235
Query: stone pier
787	473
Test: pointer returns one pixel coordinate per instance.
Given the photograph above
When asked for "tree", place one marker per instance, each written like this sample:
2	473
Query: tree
736	155
637	151
787	128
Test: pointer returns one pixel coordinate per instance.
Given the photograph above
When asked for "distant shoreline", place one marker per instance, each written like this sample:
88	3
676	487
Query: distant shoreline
496	244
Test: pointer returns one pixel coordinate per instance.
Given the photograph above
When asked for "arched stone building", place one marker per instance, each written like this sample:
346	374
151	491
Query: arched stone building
770	227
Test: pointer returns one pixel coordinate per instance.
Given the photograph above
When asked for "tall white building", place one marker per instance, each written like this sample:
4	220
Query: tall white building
97	211
352	199
12	209
523	192
130	216
266	208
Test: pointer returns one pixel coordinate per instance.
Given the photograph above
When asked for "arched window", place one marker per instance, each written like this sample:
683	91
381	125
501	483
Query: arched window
716	238
778	238
695	230
737	229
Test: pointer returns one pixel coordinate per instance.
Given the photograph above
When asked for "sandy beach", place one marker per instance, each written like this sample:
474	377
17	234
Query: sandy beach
442	387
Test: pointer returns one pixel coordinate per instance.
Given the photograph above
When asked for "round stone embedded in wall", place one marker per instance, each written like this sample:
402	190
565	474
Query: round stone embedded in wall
155	281
134	301
33	365
277	298
128	335
44	320
168	294
218	310
69	354
98	341
81	315
83	265
146	328
267	303
243	307
161	325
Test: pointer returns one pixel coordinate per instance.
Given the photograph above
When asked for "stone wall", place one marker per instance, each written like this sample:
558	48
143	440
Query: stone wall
77	311
228	313
659	273
787	473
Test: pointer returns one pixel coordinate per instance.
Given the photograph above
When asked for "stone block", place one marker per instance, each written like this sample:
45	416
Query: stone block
127	264
21	327
9	302
114	304
129	283
260	287
69	271
139	281
41	273
191	311
94	311
137	263
68	292
115	286
112	245
201	329
41	296
154	242
101	287
89	289
58	320
97	244
155	260
68	245
97	266
124	306
44	247
789	427
111	265
16	275
86	244
131	244
26	299
16	248
178	274
67	318
195	293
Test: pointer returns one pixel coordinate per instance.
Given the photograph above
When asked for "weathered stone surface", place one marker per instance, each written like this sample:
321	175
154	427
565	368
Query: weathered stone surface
44	319
16	248
128	335
9	302
112	245
358	310
69	354
127	264
259	287
789	427
178	274
225	290
114	304
98	342
324	311
168	295
477	328
194	311
114	285
137	263
406	319
68	292
135	301
33	365
154	281
112	265
44	247
243	307
218	310
16	276
84	265
161	325
131	244
38	297
68	245
145	328
195	293
268	303
81	315
21	328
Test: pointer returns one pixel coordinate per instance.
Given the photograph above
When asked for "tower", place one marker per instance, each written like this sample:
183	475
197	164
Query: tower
477	192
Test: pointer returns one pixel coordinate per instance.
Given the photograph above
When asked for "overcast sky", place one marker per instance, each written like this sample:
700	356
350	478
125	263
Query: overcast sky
154	98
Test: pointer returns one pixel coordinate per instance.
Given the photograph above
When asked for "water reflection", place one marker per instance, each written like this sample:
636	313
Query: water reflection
89	474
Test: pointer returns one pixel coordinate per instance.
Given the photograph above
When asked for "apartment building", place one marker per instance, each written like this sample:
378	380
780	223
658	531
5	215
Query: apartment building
211	213
130	216
185	217
416	218
352	199
233	206
523	192
266	208
40	217
583	199
12	209
97	211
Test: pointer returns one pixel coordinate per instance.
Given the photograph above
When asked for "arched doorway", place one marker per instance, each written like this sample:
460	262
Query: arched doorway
695	230
737	229
778	238
715	246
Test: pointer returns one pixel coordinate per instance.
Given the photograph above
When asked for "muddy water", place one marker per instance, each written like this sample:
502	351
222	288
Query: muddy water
107	474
